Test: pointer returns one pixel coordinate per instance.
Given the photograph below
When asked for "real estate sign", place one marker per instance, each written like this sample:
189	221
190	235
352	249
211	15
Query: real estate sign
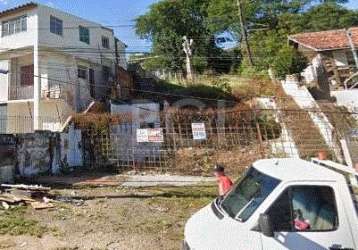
155	135
150	135
199	131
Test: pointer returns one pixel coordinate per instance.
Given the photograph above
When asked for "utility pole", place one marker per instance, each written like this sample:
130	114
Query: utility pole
244	32
351	44
187	48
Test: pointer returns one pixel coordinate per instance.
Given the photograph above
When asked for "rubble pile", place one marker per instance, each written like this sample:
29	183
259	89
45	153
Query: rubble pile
25	195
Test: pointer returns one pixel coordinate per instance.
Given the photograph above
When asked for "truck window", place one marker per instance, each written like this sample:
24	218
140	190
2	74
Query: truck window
305	208
247	195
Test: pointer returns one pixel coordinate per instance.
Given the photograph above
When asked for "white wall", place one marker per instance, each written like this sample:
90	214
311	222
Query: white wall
19	117
141	112
70	37
58	66
124	135
91	55
4	81
347	98
22	39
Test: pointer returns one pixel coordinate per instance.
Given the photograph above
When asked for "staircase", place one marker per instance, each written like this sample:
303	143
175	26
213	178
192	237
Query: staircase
306	102
285	144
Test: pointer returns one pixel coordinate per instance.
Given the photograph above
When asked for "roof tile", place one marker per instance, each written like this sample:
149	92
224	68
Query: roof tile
326	40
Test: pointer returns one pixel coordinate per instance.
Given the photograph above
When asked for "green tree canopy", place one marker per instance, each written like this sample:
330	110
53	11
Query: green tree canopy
167	22
268	22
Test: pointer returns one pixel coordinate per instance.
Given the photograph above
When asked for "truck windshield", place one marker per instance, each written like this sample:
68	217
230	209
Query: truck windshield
248	194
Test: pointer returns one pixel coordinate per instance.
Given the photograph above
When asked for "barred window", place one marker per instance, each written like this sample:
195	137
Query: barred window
105	42
14	26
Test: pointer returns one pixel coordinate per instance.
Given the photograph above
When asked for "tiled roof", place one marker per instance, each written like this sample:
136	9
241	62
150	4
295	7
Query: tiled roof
18	8
326	40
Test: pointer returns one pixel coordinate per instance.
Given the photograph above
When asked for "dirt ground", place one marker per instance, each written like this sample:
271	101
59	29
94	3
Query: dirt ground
109	218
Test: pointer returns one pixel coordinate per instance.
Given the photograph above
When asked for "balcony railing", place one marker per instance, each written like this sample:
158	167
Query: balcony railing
21	93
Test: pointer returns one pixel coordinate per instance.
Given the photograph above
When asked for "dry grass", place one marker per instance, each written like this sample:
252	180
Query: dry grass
14	222
150	218
200	161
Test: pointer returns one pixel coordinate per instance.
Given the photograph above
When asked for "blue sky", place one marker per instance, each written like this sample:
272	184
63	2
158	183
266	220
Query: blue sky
353	4
112	13
106	12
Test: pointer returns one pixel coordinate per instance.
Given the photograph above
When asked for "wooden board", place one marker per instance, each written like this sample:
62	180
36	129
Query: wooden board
41	205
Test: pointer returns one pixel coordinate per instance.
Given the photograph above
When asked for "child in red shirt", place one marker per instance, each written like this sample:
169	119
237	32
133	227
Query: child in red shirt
224	182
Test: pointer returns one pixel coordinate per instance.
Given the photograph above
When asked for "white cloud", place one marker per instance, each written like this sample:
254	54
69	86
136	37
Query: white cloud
5	2
49	3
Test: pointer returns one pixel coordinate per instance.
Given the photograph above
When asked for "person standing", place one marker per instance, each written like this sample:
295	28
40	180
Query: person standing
224	182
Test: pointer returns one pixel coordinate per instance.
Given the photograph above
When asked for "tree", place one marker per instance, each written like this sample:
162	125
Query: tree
271	21
167	22
288	61
329	16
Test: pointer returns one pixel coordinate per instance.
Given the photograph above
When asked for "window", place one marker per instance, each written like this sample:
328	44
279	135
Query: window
14	26
106	71
248	194
84	35
27	75
105	42
82	72
305	208
56	26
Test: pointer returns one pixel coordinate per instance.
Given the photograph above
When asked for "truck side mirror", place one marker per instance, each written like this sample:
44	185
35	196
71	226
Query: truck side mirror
265	225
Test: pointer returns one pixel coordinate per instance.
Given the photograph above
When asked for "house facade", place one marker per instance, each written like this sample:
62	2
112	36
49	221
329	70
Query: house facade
331	56
52	63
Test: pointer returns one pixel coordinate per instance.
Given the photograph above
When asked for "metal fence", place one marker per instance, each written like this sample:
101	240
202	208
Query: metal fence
234	138
192	141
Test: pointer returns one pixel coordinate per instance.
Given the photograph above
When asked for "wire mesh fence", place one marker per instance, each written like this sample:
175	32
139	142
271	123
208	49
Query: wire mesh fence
193	141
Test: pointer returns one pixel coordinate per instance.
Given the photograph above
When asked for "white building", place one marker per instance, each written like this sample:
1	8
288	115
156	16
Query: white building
57	63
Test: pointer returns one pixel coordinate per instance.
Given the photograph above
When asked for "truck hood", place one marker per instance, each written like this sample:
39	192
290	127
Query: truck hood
206	231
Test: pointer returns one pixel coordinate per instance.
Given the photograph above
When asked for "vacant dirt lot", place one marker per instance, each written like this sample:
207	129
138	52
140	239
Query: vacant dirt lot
109	218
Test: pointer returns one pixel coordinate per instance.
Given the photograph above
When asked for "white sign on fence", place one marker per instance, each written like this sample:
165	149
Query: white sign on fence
142	135
150	135
199	132
155	135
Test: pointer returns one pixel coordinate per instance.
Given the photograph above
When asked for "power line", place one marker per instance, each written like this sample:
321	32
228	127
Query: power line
86	85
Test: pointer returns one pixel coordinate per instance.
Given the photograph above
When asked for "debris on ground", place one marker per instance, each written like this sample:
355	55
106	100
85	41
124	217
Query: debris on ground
70	200
26	187
24	195
41	205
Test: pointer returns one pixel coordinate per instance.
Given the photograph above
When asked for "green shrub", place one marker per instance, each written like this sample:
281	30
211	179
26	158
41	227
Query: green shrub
288	61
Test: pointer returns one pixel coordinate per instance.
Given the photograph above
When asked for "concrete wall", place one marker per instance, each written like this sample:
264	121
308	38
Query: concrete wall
70	37
124	135
43	152
35	153
19	117
347	98
22	39
54	114
4	81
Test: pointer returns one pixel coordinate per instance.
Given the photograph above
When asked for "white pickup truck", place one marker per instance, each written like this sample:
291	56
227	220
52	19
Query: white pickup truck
280	204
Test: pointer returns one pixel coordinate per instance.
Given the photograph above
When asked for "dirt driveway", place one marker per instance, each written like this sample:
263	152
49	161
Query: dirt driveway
109	218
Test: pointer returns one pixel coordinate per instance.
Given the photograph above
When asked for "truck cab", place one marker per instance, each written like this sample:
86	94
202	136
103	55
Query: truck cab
279	204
